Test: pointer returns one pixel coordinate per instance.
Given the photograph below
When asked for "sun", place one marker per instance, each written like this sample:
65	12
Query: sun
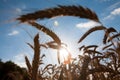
64	54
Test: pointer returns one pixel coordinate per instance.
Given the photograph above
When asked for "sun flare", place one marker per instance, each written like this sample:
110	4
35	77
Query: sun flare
64	54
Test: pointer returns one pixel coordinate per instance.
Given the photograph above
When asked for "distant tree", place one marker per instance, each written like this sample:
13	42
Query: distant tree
11	71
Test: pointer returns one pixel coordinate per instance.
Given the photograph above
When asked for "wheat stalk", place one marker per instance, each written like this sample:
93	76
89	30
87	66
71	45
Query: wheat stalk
83	74
90	47
93	51
107	46
47	31
114	36
28	64
36	58
107	32
77	11
90	31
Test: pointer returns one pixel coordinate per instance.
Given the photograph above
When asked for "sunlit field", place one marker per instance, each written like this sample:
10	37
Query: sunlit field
60	40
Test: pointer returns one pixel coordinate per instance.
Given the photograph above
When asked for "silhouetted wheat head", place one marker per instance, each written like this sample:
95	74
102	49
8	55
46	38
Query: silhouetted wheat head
77	11
90	31
46	31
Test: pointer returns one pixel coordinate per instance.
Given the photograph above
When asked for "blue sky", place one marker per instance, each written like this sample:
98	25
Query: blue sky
14	36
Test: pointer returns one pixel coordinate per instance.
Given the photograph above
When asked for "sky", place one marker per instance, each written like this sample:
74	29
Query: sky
14	36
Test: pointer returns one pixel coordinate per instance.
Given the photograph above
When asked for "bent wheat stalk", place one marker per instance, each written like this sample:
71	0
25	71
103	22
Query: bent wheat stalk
47	31
90	31
77	11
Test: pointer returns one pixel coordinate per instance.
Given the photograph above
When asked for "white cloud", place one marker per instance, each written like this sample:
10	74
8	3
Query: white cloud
18	10
115	12
56	23
108	17
88	24
15	32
